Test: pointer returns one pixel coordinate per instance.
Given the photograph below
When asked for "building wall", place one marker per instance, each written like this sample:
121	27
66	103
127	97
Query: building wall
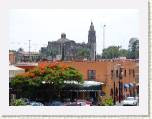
12	58
104	73
24	56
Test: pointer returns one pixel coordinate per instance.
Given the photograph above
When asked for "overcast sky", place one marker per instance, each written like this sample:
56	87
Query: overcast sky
43	25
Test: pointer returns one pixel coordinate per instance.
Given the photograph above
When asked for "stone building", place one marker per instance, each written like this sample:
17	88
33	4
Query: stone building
66	49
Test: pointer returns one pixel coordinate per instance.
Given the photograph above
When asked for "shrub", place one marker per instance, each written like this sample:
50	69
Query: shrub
107	101
18	102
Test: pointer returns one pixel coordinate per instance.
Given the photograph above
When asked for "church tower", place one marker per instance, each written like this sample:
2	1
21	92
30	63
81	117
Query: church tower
92	42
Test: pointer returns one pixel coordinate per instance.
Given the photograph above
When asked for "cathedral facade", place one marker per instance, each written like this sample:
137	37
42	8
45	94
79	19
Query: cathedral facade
66	49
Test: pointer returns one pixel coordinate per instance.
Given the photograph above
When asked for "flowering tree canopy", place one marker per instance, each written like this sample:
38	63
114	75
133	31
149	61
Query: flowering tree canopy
52	74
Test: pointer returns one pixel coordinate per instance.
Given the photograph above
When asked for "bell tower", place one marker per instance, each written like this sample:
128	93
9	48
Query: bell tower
92	42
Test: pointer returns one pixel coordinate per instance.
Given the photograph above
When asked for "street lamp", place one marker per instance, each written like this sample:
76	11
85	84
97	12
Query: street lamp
104	36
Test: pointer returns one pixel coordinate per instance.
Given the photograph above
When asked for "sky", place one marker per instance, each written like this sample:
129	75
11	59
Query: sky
43	25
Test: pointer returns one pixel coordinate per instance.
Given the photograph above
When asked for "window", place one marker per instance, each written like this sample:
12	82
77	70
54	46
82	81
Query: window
91	74
125	73
133	72
120	73
111	92
111	74
129	72
117	73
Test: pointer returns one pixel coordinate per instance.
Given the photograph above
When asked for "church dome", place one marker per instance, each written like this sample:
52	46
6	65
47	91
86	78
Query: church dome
63	38
63	35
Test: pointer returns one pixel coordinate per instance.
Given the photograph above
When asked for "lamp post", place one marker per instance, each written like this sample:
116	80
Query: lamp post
104	36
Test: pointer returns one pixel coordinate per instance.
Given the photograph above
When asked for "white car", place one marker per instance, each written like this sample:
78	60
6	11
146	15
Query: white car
130	101
34	103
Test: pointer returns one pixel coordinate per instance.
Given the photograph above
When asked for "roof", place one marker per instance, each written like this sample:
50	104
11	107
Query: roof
85	83
63	40
12	67
85	86
26	64
27	53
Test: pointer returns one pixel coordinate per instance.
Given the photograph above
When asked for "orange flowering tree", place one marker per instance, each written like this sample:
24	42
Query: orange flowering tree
45	76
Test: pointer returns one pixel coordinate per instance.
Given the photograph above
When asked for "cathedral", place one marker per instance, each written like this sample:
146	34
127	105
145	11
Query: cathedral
66	49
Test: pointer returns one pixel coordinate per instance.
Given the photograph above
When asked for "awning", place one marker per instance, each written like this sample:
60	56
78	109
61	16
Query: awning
85	86
13	71
131	85
126	85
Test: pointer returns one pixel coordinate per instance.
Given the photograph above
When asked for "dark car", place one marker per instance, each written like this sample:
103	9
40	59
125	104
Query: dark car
55	103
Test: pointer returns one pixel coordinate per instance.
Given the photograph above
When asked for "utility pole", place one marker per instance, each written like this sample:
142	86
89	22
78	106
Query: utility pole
29	51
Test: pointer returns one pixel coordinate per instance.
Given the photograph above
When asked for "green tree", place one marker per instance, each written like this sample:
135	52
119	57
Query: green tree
114	52
98	56
20	50
133	51
44	80
123	53
83	53
111	52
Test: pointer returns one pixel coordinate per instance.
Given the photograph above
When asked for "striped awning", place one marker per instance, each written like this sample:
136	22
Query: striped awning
131	85
126	85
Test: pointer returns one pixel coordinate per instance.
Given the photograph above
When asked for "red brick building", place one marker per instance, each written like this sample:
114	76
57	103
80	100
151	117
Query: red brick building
118	76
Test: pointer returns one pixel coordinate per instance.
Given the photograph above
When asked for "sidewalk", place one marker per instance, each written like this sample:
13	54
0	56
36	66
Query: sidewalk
118	104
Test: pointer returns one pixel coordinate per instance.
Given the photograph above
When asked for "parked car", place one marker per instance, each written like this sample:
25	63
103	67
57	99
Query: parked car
130	101
84	102
71	104
56	103
34	103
